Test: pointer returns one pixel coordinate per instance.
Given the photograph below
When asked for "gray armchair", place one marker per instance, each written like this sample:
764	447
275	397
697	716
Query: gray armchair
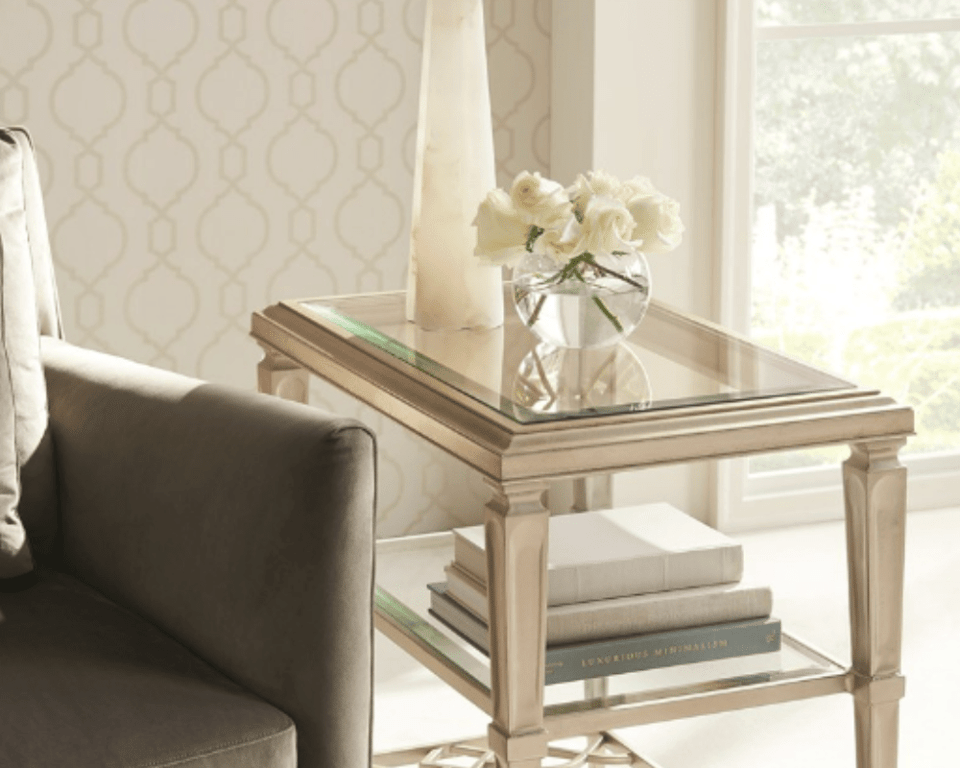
204	569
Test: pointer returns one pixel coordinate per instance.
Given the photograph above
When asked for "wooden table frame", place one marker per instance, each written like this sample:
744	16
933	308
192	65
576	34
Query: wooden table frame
518	460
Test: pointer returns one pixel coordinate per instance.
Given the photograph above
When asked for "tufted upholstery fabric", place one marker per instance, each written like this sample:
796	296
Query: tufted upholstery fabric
240	524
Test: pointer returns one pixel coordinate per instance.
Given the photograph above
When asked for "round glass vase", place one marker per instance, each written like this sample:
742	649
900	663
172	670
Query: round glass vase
594	300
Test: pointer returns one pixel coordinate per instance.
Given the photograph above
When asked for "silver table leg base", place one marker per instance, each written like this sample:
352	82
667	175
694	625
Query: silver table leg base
598	750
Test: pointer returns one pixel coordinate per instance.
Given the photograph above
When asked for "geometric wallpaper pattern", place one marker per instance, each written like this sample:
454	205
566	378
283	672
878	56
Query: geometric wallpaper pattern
201	160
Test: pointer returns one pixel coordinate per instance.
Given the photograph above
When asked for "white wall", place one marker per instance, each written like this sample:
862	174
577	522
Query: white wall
650	97
646	106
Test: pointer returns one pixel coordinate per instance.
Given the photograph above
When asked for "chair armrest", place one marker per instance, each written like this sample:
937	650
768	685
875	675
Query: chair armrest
241	524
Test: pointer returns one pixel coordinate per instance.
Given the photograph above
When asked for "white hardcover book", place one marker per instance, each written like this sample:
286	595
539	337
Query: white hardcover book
632	615
618	552
639	652
466	590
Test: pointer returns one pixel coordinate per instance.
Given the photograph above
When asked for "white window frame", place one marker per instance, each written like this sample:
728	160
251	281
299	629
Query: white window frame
744	501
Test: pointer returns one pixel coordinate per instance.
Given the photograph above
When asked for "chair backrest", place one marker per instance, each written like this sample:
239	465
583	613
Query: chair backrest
48	303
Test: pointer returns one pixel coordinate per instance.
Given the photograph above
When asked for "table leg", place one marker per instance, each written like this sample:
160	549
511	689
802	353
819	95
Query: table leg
279	375
875	490
516	525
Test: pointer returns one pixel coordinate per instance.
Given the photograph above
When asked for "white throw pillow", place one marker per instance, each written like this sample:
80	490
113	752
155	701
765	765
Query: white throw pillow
15	558
23	404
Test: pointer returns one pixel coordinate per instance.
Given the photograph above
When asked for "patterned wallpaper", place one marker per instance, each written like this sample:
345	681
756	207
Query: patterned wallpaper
202	160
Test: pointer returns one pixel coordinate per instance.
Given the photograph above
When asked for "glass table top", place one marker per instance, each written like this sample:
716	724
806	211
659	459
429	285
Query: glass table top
671	360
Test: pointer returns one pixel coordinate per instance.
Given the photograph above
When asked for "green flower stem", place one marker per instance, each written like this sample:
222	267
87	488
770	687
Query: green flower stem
610	316
532	236
611	273
576	269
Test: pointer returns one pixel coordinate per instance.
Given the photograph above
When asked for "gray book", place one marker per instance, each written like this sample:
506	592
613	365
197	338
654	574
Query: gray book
621	616
619	552
654	650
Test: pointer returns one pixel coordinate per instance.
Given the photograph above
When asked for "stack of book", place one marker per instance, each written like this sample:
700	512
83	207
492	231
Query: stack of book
628	589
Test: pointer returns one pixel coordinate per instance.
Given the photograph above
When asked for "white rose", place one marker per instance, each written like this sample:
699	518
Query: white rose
658	223
606	227
637	188
595	183
556	244
502	231
544	202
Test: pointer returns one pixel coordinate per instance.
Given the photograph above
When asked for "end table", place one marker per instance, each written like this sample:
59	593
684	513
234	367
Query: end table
680	389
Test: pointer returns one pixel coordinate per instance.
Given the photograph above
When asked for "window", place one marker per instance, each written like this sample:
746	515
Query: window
854	222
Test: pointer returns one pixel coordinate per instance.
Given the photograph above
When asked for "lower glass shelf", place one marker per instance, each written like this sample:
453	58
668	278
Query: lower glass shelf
405	567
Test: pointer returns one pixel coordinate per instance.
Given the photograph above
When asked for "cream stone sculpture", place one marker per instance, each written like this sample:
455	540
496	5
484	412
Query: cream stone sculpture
448	288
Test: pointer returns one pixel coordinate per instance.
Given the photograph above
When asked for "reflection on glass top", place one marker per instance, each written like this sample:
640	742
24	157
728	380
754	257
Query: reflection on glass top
671	360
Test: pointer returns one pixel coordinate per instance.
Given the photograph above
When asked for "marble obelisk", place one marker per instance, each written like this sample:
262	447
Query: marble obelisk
447	286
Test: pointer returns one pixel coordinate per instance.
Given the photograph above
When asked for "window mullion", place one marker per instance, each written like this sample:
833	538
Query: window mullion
856	29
